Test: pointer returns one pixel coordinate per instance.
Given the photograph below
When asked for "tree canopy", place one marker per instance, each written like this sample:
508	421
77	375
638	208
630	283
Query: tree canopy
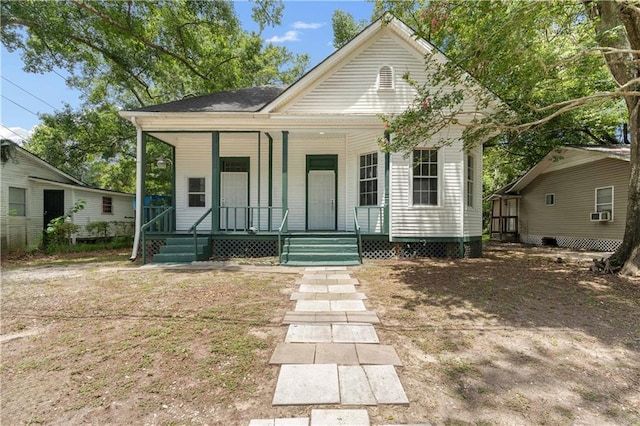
125	55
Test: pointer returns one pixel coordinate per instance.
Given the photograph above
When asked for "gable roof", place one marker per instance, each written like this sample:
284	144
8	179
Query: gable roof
250	99
67	180
571	156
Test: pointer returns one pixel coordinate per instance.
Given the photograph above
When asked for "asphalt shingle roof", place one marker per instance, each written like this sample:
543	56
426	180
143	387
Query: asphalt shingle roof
250	99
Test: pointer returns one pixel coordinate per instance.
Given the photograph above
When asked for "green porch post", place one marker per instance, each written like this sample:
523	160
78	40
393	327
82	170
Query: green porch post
285	171
387	162
215	182
173	188
270	200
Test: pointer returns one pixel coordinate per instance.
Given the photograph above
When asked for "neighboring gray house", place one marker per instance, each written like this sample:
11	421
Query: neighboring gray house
302	164
576	197
33	192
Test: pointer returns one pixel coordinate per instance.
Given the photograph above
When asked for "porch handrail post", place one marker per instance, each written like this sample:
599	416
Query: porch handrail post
215	181
356	227
270	184
283	225
285	171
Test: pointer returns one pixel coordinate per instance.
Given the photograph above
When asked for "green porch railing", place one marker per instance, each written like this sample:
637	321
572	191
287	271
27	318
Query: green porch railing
283	226
247	219
356	227
372	219
161	222
194	229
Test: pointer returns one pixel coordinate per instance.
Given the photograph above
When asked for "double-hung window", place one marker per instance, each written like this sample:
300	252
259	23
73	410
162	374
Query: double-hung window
368	179
196	193
107	205
425	177
17	201
604	199
470	180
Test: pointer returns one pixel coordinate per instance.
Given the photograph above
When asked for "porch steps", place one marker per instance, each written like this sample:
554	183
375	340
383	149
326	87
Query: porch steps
326	250
180	249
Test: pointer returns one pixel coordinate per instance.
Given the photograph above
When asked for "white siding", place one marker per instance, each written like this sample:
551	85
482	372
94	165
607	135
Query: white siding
359	144
444	220
18	230
352	88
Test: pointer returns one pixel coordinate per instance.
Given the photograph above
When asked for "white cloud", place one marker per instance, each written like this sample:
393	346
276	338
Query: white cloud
15	134
299	25
289	36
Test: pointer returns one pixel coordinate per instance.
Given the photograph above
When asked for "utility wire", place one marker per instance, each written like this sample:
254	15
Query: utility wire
28	92
17	104
66	80
20	136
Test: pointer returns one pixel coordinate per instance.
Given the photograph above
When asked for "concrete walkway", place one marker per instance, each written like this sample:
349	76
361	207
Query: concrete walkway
332	355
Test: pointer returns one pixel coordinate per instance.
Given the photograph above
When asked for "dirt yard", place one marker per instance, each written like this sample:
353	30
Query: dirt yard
516	337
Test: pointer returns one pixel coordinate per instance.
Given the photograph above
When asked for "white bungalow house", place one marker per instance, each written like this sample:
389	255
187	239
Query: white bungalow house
34	192
575	197
268	171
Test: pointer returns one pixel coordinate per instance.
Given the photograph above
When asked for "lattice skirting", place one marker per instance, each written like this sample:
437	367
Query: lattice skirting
571	242
371	249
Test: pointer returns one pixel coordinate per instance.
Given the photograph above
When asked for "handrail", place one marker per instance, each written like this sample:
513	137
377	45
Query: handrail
194	229
378	219
146	226
283	225
356	226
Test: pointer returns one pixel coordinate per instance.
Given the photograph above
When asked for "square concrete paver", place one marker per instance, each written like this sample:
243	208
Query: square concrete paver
336	353
339	418
262	422
308	333
347	305
363	316
314	305
342	288
294	353
377	354
307	384
354	333
385	384
313	288
338	276
330	317
354	386
325	268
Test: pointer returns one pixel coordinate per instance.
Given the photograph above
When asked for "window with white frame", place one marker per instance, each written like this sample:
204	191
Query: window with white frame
196	192
17	201
368	185
385	78
604	199
550	199
425	177
470	179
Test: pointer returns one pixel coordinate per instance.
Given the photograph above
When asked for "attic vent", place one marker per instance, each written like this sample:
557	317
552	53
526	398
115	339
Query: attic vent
385	78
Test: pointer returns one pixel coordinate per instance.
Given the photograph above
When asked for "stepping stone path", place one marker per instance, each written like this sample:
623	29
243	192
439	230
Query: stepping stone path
332	355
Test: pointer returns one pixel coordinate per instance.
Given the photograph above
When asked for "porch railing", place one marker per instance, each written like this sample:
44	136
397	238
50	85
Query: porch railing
247	218
372	219
194	229
163	221
356	227
283	227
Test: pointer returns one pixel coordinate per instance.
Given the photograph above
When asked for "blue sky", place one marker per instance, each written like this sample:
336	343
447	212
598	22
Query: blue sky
306	28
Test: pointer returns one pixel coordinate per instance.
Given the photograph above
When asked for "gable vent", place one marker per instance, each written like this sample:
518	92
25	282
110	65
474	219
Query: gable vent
385	78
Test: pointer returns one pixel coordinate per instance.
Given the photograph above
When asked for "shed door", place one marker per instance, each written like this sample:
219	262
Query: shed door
53	205
234	200
322	200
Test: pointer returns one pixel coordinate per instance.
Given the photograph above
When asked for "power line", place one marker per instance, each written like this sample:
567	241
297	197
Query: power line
17	104
66	80
20	136
26	91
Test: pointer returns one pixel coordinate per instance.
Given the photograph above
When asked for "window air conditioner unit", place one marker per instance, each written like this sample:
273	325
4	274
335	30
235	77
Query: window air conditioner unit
600	216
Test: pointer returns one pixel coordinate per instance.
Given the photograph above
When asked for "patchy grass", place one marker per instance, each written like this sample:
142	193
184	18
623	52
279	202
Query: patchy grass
512	338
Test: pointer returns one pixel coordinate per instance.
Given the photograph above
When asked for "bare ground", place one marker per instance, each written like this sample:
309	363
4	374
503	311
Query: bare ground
513	338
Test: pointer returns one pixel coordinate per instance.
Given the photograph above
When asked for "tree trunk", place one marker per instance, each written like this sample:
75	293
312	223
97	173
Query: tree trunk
618	28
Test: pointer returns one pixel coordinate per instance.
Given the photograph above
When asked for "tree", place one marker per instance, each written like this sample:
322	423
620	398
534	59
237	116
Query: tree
345	27
125	55
550	63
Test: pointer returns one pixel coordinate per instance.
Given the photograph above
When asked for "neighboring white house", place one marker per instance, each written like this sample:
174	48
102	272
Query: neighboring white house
245	158
34	192
576	196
